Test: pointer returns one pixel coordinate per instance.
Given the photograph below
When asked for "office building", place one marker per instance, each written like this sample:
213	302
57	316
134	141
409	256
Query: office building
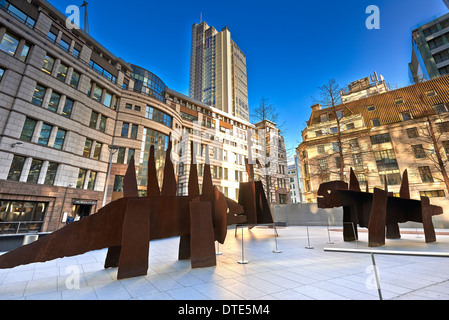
70	109
381	136
218	73
430	50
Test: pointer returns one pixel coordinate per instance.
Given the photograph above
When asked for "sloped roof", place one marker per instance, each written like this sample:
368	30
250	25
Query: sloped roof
386	110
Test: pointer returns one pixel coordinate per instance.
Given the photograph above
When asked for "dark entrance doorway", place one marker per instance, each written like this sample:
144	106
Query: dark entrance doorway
81	211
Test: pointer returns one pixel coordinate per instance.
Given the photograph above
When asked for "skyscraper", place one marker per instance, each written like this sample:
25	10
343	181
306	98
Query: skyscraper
218	75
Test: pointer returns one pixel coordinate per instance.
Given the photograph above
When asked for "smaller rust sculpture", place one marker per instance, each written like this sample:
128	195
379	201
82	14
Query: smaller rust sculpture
380	211
126	226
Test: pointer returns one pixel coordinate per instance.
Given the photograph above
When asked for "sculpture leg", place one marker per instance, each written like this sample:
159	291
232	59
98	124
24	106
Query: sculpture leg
349	226
135	241
113	257
393	231
376	227
184	247
429	230
202	235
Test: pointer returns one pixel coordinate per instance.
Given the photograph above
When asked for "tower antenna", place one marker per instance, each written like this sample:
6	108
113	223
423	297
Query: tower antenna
201	17
86	20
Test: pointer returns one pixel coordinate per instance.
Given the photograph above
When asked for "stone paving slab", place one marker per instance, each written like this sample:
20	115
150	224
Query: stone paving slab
299	272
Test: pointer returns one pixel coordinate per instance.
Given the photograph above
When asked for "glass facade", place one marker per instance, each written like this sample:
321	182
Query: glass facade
158	116
160	141
148	84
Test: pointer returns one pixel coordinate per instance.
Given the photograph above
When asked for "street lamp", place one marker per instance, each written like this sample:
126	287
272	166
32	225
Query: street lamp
112	150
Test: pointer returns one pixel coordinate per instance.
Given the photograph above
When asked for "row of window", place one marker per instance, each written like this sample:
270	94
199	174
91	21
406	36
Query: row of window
11	45
43	138
16	13
35	171
61	74
103	96
54	101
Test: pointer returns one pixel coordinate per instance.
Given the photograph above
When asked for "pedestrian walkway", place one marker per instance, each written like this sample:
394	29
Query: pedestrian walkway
303	270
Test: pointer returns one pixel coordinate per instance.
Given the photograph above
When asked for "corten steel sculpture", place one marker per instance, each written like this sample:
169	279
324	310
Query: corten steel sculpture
127	226
377	211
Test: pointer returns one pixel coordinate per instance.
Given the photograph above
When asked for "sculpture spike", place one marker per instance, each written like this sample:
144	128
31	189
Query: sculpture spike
194	188
354	184
208	185
130	181
249	170
405	190
153	185
169	184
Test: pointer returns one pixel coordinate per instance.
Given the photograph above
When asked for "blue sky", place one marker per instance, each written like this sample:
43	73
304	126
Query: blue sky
292	46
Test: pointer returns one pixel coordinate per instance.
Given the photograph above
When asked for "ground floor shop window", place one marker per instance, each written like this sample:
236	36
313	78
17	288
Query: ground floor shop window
21	217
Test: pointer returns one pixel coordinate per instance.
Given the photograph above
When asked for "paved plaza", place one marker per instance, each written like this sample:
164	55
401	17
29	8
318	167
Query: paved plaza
304	270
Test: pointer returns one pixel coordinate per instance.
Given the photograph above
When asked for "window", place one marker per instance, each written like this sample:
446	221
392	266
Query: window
102	126
406	116
319	133
51	174
324	118
24	54
322	164
87	148
2	72
38	96
441	56
35	170
21	217
181	169
98	92
121	155
93	120
16	168
446	148
54	102
334	130
62	73
440	108
97	151
350	126
118	183
354	143
134	131
52	36
426	174
102	71
44	136
339	114
28	129
443	127
59	140
376	122
125	130
431	93
9	44
418	151
64	45
129	106
381	138
399	101
358	161
68	107
371	108
74	81
158	116
412	133
131	152
433	194
75	53
92	180
107	99
320	149
386	160
335	147
48	64
16	13
81	179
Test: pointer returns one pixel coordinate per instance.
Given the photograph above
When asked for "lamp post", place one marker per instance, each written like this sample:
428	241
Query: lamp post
112	150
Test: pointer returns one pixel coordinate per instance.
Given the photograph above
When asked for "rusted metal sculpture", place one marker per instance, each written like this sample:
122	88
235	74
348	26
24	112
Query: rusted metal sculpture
127	226
380	211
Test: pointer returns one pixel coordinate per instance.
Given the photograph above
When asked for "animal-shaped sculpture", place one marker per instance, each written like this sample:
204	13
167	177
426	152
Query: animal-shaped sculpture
126	226
377	211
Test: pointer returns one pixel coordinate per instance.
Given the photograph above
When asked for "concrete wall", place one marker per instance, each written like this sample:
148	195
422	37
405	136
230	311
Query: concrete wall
309	214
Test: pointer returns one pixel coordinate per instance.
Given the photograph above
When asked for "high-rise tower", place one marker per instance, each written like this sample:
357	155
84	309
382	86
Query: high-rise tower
218	71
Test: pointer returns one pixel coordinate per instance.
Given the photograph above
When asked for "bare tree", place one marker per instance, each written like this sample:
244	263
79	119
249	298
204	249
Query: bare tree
330	98
432	129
